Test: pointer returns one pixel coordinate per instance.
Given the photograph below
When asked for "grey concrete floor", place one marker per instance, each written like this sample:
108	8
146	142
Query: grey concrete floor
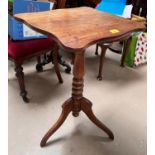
119	101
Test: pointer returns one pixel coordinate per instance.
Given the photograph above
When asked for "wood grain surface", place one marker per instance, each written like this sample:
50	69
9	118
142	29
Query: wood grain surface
78	28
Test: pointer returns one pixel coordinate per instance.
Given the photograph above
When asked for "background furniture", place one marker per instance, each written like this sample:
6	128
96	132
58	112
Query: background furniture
19	51
139	8
47	58
74	37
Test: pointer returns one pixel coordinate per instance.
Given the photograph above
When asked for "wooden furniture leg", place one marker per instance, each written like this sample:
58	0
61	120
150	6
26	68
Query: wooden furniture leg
96	52
55	62
125	50
20	77
103	51
66	109
77	102
86	107
39	66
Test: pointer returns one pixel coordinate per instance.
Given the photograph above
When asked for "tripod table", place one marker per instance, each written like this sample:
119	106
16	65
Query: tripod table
75	29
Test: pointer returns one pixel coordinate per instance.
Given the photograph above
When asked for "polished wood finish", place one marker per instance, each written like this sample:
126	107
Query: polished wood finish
77	102
74	30
75	25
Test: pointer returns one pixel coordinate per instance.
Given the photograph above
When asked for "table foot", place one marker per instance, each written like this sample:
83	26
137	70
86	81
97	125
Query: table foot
75	106
86	107
66	109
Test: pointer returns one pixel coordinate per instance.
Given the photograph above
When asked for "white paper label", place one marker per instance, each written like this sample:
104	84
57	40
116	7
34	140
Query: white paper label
28	32
51	5
127	11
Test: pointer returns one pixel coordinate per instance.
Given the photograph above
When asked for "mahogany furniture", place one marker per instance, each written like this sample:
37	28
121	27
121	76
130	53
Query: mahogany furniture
80	28
19	51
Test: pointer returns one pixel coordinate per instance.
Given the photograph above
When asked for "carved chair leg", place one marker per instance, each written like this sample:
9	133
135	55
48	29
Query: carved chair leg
20	77
125	50
103	52
96	52
86	107
55	62
66	109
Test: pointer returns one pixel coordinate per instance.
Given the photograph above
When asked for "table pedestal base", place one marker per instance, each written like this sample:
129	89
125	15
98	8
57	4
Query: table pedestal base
77	102
75	106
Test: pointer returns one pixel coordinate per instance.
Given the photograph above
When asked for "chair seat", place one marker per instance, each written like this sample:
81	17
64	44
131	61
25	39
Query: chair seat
27	48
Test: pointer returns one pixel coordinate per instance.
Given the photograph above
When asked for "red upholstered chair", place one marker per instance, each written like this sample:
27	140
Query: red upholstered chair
19	51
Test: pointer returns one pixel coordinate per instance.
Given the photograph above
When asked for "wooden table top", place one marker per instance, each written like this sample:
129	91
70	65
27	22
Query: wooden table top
78	28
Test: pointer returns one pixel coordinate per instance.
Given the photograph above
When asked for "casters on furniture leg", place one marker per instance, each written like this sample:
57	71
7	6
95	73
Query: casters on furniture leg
24	96
39	68
68	70
63	63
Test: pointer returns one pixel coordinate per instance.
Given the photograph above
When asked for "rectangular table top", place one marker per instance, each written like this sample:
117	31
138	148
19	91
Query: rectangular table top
77	28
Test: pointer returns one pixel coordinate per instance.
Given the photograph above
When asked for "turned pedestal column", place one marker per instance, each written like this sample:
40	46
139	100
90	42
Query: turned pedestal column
77	102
